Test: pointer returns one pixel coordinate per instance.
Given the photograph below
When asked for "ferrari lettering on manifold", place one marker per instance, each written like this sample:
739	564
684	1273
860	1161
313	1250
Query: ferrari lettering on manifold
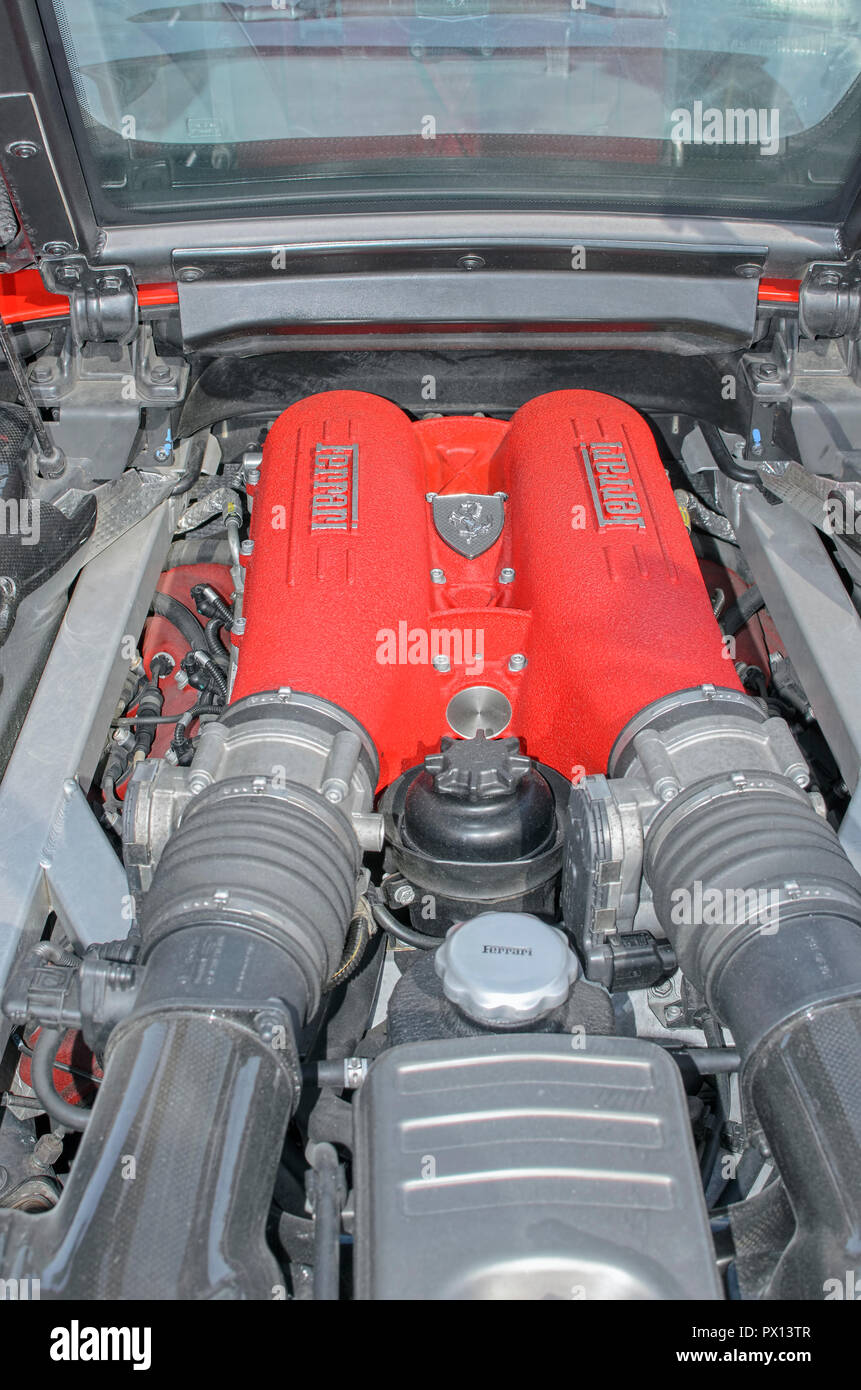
335	488
611	484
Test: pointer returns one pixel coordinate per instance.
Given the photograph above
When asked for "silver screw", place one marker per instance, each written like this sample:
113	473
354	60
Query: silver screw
437	576
506	576
672	1013
247	548
517	662
404	894
441	663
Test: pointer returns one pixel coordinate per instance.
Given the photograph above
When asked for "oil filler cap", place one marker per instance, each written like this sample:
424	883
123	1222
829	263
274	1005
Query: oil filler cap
506	967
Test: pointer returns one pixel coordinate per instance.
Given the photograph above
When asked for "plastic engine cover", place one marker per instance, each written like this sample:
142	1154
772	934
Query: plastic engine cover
518	1167
388	574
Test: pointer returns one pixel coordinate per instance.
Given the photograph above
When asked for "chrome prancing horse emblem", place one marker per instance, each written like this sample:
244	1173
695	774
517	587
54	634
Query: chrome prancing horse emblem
469	522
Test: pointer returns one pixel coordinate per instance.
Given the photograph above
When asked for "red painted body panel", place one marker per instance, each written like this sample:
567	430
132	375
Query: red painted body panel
608	602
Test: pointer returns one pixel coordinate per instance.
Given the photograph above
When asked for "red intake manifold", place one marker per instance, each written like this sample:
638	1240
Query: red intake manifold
352	593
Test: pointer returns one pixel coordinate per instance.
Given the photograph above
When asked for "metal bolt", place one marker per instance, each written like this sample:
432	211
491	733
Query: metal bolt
269	1025
672	1013
56	248
404	894
161	373
189	274
437	576
247	548
42	373
47	1150
506	576
67	275
110	283
767	371
22	149
471	262
429	496
441	663
238	629
517	662
748	271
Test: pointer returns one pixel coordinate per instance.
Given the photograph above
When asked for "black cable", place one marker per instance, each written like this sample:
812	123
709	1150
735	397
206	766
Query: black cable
42	1078
210	604
214	644
328	1200
182	746
358	936
128	720
215	678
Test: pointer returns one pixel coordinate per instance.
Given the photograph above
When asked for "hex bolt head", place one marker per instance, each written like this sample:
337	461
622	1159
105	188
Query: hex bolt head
247	548
506	576
517	662
404	894
437	576
441	663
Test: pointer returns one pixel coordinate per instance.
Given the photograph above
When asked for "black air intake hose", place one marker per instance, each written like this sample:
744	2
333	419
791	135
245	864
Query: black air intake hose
245	921
781	968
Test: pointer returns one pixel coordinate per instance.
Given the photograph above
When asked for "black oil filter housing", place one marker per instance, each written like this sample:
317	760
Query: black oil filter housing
479	826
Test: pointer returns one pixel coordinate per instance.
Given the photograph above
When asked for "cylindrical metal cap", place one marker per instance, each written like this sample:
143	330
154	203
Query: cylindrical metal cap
506	967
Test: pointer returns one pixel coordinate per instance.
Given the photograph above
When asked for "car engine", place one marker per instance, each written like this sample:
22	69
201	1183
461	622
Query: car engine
464	884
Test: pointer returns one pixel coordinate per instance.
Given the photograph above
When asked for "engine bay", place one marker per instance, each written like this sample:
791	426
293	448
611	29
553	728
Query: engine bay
447	900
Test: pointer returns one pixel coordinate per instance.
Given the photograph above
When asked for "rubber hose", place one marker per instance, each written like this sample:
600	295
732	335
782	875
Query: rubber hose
198	550
182	618
739	614
406	935
42	1074
194	464
723	458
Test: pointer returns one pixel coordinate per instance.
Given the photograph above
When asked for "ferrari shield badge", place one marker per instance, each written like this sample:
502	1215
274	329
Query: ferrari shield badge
469	522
